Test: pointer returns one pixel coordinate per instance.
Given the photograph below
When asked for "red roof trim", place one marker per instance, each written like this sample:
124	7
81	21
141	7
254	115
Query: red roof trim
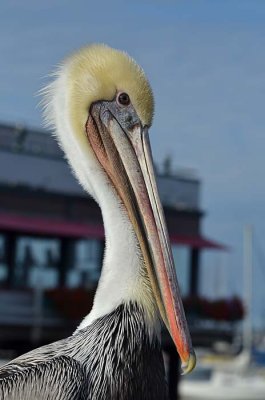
198	242
51	227
63	228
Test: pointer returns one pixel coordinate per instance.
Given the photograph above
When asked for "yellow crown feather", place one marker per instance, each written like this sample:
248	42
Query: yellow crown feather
98	72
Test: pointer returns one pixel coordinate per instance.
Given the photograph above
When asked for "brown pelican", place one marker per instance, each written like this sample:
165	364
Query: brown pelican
100	105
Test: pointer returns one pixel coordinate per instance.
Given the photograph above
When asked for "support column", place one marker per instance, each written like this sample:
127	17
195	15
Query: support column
10	252
194	271
66	259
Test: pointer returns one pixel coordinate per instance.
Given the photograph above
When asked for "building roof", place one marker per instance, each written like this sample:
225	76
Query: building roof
32	158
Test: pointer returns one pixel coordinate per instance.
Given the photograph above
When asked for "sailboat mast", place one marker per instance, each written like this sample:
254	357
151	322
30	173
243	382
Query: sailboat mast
247	281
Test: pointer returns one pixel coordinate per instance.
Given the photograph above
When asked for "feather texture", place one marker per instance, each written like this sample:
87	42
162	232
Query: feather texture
113	358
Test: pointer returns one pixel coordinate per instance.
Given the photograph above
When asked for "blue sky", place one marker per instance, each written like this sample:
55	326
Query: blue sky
206	64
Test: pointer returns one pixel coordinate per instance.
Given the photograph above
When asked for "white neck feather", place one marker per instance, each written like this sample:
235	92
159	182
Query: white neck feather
122	279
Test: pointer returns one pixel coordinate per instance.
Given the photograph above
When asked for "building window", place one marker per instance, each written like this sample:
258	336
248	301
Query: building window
181	255
36	262
3	261
85	269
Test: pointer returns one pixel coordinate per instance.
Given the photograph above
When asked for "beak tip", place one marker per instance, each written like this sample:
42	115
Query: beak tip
189	365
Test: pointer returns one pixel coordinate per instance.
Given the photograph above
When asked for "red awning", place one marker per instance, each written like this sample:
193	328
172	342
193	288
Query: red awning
51	227
198	242
63	228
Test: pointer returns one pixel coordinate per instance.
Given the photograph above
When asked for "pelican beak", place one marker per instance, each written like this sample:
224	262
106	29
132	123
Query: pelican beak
125	155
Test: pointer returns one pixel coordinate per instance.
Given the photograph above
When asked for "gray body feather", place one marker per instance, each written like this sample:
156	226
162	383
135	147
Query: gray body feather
113	358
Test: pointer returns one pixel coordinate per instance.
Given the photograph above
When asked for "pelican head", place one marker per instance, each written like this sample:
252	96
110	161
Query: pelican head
101	106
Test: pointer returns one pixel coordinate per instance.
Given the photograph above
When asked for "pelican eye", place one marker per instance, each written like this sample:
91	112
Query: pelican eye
123	99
